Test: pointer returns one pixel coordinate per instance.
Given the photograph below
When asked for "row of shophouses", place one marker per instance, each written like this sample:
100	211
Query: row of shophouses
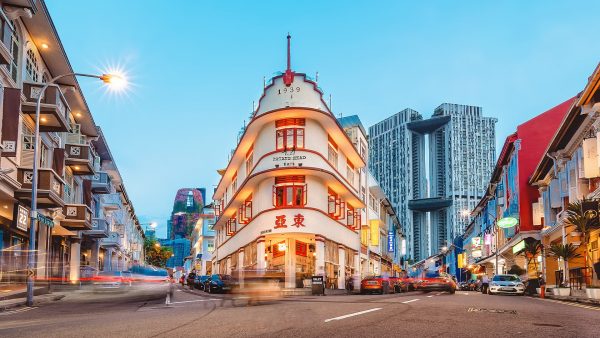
548	163
86	222
297	197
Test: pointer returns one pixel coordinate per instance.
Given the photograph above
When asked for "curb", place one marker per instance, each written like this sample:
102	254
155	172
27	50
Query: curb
570	299
36	302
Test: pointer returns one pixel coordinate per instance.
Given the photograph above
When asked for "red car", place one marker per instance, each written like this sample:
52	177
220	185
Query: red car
379	284
408	284
437	282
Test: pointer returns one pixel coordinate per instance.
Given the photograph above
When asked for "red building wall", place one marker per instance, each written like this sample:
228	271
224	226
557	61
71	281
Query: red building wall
535	135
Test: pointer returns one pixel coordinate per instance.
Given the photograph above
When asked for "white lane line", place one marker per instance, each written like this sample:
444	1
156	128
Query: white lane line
352	314
410	301
429	296
6	313
193	301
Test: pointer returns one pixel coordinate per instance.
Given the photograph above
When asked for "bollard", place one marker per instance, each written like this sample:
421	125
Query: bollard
542	291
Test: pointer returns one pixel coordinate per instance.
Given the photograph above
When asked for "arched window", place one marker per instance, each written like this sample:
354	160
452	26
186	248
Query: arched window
31	66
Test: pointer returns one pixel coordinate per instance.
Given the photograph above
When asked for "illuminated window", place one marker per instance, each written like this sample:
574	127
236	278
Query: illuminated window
350	173
353	218
249	160
14	51
245	211
234	183
335	206
289	191
31	66
288	135
332	152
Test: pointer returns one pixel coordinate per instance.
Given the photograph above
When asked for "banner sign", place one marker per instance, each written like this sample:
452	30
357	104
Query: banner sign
391	240
22	218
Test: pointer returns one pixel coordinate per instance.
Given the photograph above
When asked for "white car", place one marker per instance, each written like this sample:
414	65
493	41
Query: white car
508	284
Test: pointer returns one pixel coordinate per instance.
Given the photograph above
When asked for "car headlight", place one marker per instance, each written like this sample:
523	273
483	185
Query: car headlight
520	285
494	284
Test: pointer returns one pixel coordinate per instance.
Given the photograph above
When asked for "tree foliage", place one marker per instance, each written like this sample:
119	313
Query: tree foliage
564	251
156	254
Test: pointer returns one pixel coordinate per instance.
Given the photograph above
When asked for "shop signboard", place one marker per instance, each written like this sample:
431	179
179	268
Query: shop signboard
391	240
22	218
476	253
476	242
518	247
318	285
507	222
403	252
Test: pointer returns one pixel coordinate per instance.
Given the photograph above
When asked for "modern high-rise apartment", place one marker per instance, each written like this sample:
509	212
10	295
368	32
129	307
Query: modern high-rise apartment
434	170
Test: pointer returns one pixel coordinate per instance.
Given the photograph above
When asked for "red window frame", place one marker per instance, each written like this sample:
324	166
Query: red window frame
289	195
289	138
335	206
353	218
218	208
245	211
231	227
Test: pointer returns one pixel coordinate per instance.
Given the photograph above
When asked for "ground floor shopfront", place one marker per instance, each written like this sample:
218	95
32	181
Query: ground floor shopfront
297	256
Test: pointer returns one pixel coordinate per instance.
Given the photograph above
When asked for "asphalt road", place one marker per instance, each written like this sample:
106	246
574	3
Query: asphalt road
196	314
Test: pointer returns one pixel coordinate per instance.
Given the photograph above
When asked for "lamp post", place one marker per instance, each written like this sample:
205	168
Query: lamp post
106	78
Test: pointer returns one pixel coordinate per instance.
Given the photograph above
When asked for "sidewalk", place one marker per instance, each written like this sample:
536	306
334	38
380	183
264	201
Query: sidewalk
37	300
573	299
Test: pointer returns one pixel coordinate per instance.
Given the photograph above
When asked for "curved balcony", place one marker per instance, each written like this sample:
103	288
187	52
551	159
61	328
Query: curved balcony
50	190
77	217
54	110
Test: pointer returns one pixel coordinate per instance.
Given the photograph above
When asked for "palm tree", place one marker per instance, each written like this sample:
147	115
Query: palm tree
531	251
584	220
565	252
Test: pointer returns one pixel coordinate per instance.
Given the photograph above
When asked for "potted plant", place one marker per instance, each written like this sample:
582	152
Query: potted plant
564	252
583	216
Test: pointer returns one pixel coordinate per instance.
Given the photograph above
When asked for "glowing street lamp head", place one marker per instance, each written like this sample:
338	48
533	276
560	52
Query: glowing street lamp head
153	225
114	80
465	213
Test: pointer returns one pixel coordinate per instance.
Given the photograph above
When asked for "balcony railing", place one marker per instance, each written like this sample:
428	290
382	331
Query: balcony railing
77	217
111	201
99	228
113	239
80	158
50	193
54	110
101	183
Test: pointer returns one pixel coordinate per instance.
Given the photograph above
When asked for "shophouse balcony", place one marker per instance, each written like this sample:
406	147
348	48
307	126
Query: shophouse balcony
111	201
80	158
101	183
99	228
50	190
77	217
54	110
113	240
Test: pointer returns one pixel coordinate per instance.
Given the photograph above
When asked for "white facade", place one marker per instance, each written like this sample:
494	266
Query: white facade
290	197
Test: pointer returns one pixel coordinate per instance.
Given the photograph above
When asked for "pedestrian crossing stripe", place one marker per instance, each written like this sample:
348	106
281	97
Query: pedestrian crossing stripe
6	313
590	307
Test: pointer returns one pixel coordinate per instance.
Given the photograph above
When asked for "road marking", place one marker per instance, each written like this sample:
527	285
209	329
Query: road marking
352	314
590	307
410	301
193	301
6	313
429	296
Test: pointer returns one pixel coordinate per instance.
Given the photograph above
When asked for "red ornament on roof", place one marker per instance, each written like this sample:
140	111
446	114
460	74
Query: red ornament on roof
288	76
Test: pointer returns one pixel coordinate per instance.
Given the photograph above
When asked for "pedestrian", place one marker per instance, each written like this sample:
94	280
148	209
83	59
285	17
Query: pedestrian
485	284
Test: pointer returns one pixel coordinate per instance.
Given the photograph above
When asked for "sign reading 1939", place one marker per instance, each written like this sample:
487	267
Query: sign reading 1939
286	90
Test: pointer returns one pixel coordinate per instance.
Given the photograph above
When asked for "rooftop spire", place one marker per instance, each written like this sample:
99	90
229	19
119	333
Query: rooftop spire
288	76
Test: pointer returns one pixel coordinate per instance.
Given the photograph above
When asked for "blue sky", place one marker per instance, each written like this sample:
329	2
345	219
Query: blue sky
196	67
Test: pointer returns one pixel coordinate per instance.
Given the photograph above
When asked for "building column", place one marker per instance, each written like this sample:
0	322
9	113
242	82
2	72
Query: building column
320	256
290	263
42	247
228	266
108	259
240	266
95	255
124	266
342	267
356	271
75	260
261	262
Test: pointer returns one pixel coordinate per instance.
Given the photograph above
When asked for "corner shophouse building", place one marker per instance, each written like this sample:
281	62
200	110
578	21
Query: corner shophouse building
509	194
290	197
571	174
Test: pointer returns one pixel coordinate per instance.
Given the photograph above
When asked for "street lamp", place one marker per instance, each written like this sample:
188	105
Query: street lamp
115	81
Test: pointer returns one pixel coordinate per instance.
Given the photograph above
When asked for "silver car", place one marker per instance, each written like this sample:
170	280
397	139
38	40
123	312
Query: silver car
507	284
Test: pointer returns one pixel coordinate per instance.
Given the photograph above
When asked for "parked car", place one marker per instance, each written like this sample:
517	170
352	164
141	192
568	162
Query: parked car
437	282
111	280
408	284
219	283
508	284
463	286
200	280
378	284
189	280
